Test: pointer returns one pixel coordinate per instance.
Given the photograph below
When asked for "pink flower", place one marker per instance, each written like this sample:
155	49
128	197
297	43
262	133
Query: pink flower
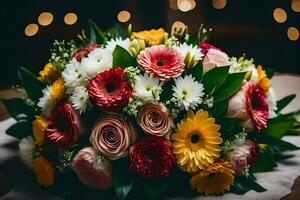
163	63
64	126
81	53
250	105
239	165
205	47
92	170
215	58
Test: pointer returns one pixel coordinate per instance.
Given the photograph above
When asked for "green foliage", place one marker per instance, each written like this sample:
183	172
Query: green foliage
282	103
20	129
244	184
279	127
196	71
219	109
96	35
153	189
18	109
123	59
270	71
265	162
214	79
167	91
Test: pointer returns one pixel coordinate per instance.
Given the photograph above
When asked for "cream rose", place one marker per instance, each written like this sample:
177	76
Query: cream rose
215	58
92	170
112	136
154	120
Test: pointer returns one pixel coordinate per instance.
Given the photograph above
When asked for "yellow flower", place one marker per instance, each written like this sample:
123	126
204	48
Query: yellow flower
48	74
263	81
196	141
44	171
152	37
39	126
58	90
214	180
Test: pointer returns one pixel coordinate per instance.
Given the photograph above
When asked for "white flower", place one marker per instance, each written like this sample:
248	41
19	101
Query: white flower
97	61
271	99
188	92
45	102
111	45
194	52
243	65
26	148
73	75
237	148
80	99
147	87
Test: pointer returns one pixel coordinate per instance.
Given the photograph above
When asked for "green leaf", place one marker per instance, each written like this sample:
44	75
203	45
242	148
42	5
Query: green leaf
18	109
282	103
20	129
31	84
154	188
219	109
279	127
270	71
167	91
214	78
265	162
196	71
229	87
96	35
122	178
122	58
244	184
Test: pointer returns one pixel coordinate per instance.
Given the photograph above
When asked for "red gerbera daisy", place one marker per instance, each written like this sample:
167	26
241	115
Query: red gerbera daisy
257	106
79	54
164	63
253	151
152	157
64	126
109	90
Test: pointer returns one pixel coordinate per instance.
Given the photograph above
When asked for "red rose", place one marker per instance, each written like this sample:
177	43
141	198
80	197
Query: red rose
205	47
80	53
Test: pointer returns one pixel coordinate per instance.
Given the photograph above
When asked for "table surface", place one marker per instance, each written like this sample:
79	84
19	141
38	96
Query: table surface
277	182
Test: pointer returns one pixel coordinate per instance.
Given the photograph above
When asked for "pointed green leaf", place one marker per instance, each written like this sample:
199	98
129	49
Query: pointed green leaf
196	71
122	58
261	165
214	78
18	109
96	35
20	129
270	71
154	188
282	103
244	184
279	127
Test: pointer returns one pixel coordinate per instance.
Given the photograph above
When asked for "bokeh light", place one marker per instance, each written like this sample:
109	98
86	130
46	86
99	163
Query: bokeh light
279	15
45	18
219	4
31	29
70	18
295	5
186	5
123	16
293	33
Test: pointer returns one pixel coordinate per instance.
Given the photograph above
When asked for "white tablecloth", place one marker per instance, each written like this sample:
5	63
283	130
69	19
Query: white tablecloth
277	182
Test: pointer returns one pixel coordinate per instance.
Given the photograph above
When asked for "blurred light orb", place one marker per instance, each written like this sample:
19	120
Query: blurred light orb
293	33
219	4
279	15
179	24
45	18
123	16
186	5
295	5
70	18
173	4
31	29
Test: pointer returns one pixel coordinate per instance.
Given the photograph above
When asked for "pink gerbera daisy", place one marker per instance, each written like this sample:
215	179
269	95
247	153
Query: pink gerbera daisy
164	63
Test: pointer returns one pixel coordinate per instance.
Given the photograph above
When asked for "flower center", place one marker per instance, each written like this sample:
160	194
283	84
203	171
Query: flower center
150	156
195	138
110	87
62	125
160	63
254	104
211	175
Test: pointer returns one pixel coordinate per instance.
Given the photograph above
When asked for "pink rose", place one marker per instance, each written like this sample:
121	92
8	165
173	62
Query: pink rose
92	170
215	58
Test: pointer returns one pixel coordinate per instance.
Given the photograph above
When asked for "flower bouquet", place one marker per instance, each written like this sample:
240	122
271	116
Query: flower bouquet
141	114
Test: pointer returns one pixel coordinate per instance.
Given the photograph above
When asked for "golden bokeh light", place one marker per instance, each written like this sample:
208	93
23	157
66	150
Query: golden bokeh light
123	16
186	5
70	18
31	29
296	5
279	15
173	4
293	33
219	4
45	18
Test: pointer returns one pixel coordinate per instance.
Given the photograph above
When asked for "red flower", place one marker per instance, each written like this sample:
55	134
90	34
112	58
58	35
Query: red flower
109	90
205	47
164	63
257	107
80	53
64	126
152	157
253	149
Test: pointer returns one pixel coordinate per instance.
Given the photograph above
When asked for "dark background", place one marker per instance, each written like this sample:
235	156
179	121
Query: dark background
243	26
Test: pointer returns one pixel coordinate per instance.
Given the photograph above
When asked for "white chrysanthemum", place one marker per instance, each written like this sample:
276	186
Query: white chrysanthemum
271	99
111	45
188	92
45	102
195	52
97	61
242	65
73	75
26	148
147	87
80	99
237	148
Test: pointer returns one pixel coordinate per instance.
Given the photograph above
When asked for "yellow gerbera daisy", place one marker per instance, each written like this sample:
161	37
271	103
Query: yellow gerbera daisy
48	74
58	90
152	37
39	126
196	142
214	180
44	171
263	81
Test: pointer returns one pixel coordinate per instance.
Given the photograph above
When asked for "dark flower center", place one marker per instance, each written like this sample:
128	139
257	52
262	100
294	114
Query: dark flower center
195	138
62	125
160	63
255	104
211	175
150	155
110	87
